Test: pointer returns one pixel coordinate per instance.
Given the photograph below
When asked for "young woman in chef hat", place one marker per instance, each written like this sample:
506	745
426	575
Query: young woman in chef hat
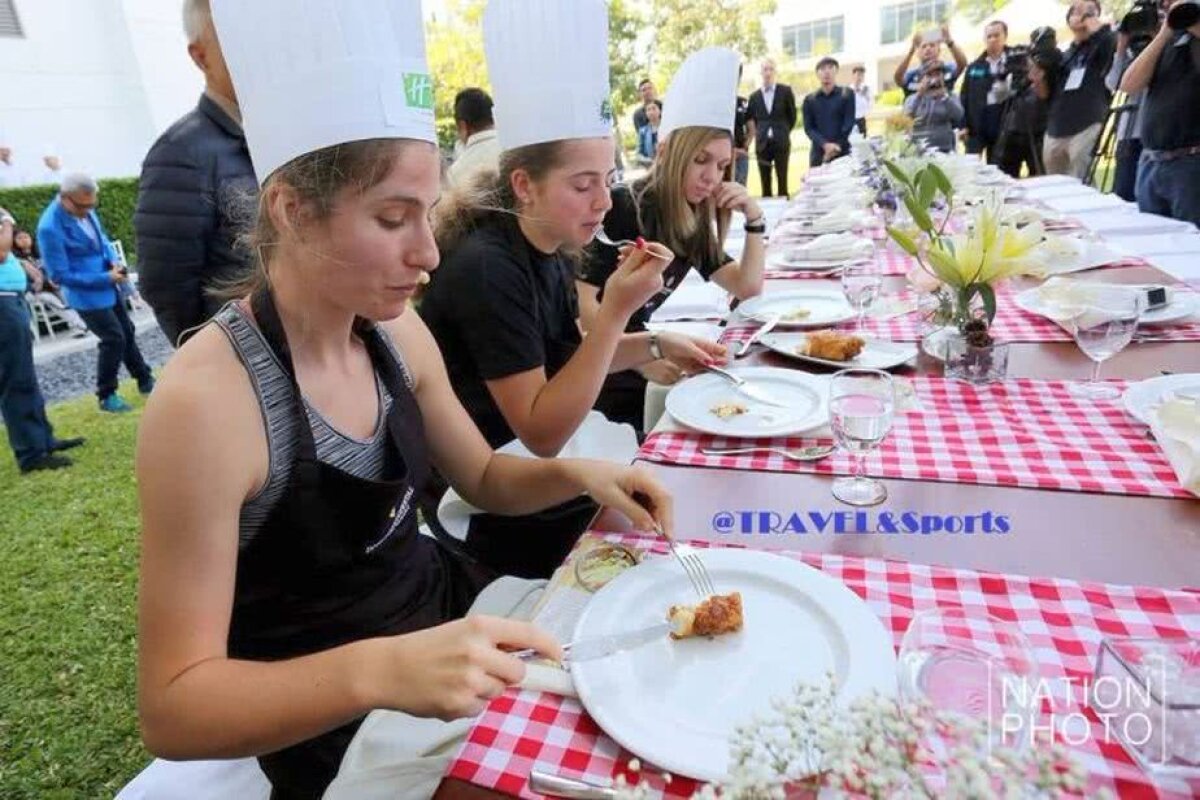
686	202
285	590
503	305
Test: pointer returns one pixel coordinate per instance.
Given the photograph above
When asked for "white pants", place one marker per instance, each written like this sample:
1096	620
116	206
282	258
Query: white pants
1070	155
393	755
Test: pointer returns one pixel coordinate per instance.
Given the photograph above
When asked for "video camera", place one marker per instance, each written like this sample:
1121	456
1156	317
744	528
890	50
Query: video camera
1140	24
1042	47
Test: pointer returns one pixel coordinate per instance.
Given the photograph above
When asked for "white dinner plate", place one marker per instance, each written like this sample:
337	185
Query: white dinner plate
1141	397
675	704
1095	254
876	353
825	307
692	401
1182	306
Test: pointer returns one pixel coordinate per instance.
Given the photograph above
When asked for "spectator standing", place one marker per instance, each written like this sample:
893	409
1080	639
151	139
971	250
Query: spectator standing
1129	125
1082	100
828	116
863	98
80	258
984	89
1168	180
649	95
935	111
647	148
24	411
927	47
1021	141
773	110
194	180
477	131
743	134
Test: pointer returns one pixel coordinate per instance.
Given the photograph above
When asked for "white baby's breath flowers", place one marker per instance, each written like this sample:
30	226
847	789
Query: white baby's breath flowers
877	747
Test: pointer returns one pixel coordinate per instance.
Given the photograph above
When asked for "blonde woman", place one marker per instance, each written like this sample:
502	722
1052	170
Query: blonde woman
685	202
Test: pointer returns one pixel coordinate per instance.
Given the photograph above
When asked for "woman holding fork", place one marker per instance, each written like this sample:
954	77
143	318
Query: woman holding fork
686	202
503	306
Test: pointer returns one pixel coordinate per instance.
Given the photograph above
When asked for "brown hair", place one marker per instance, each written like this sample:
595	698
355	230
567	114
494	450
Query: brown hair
490	195
692	231
318	178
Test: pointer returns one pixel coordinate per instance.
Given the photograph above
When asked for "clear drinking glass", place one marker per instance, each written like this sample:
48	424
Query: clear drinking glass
975	665
861	405
1102	330
861	284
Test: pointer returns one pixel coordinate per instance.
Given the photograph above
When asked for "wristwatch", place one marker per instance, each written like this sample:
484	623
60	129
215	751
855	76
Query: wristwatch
757	226
655	350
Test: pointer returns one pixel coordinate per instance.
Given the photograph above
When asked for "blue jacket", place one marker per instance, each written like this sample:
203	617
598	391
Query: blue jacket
74	261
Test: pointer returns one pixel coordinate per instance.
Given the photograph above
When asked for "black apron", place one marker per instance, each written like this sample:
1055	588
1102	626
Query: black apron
534	545
340	558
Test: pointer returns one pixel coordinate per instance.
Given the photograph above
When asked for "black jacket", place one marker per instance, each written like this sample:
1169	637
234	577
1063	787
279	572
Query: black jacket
976	83
780	120
194	180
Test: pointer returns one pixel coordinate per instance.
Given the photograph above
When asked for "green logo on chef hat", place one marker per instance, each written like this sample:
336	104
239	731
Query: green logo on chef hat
606	112
418	90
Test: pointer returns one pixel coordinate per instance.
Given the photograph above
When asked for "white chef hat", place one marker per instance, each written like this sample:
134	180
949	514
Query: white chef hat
703	93
311	74
548	65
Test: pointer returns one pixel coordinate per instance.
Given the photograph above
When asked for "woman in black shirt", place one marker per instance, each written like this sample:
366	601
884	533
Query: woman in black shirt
685	202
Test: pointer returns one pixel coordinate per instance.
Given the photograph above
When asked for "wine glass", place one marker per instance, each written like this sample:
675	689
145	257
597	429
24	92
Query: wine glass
1102	330
861	283
974	665
861	404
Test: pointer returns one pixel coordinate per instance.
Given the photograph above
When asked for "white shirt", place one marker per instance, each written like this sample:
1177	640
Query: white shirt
862	101
481	153
769	97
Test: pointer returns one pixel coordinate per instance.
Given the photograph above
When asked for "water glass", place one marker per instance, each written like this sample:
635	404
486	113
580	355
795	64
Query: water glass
973	665
1102	330
861	284
861	405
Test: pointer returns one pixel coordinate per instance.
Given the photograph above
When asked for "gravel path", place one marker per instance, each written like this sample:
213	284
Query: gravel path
74	374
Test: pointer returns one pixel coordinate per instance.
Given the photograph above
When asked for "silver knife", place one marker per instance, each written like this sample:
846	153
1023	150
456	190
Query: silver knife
758	334
749	389
556	786
601	646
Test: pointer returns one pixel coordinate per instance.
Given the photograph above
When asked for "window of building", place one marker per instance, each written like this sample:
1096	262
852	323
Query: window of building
10	25
897	22
819	37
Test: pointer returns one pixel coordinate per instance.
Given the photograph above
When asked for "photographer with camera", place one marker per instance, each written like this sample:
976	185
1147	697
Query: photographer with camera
1034	80
1133	34
935	111
1082	100
927	47
985	87
1168	180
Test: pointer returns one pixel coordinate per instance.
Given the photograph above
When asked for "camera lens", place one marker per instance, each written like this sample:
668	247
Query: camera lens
1184	15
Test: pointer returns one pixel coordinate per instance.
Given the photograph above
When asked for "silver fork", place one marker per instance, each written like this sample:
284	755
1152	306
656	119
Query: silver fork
602	238
811	453
693	567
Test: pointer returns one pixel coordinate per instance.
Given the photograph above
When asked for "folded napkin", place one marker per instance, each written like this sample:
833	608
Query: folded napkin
1080	303
693	299
1119	221
1056	254
597	437
1092	201
1176	426
831	247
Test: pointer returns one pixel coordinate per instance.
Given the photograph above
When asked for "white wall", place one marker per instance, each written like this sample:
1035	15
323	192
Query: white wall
97	80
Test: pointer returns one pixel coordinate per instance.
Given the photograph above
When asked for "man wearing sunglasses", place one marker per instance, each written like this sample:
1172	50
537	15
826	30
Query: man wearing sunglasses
80	258
1082	98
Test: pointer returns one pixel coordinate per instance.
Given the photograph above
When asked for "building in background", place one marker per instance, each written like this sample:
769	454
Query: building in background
877	33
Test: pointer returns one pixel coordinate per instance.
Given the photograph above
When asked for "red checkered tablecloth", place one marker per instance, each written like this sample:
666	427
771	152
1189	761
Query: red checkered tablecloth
891	261
1023	432
1063	620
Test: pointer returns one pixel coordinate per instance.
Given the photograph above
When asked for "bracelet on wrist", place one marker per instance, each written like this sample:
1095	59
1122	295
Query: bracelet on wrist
757	226
655	349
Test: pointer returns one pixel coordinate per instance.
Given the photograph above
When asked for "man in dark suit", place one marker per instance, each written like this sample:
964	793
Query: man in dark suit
773	109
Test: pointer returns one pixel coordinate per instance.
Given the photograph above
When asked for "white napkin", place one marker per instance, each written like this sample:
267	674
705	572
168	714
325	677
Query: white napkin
830	247
1176	426
596	437
1157	244
1049	180
1093	201
1057	254
1071	302
1124	221
693	299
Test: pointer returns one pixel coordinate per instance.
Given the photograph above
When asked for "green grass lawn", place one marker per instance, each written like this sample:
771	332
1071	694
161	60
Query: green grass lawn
68	577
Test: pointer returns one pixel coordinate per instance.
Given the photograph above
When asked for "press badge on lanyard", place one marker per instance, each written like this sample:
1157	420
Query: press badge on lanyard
1075	79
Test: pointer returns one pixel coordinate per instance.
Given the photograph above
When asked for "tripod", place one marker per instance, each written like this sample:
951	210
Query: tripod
1106	149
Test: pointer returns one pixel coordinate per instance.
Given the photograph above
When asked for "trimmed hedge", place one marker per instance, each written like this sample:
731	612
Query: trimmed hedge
118	197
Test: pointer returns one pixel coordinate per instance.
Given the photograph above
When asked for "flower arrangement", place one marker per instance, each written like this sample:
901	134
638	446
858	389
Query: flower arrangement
961	267
878	747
